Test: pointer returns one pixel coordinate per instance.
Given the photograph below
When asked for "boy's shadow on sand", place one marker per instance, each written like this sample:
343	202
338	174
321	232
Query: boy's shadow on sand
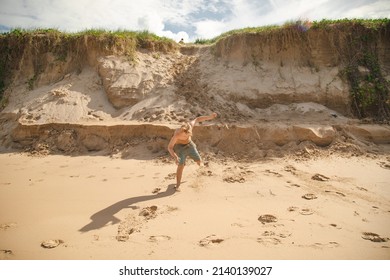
105	216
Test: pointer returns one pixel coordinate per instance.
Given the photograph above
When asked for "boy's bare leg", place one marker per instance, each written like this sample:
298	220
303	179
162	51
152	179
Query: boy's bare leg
179	173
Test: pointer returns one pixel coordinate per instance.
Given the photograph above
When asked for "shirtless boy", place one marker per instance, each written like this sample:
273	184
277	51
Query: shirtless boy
181	145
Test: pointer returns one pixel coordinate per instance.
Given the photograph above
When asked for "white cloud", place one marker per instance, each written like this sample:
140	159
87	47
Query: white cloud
379	9
207	29
154	23
151	22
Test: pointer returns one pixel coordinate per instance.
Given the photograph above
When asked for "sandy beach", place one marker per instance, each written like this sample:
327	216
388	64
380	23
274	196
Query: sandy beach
109	207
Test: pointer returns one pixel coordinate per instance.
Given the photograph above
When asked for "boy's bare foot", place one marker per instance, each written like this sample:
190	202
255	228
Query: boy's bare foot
177	188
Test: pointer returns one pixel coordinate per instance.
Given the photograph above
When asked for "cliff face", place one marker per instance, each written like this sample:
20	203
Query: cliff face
42	59
284	77
296	66
256	69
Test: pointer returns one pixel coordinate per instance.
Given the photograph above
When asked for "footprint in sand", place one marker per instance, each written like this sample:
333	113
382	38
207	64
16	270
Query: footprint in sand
133	223
374	237
335	226
283	234
236	174
319	245
7	226
124	233
171	208
267	218
158	238
5	254
330	244
156	190
234	179
209	240
384	165
309	196
319	177
292	209
303	211
149	212
272	238
170	176
306	211
52	243
291	169
271	193
269	240
338	193
273	173
127	227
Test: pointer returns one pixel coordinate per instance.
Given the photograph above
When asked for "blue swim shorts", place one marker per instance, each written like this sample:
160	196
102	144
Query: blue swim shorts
184	150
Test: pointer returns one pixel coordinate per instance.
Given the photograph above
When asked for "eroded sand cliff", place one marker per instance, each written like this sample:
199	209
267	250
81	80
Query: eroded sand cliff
279	91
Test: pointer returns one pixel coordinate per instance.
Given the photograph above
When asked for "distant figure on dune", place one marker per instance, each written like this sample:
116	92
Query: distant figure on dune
181	145
181	41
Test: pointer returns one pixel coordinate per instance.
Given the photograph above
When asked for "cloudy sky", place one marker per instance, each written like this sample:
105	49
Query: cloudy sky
187	19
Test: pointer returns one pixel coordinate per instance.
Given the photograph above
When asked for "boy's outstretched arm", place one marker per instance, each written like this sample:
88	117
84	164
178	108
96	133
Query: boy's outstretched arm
203	118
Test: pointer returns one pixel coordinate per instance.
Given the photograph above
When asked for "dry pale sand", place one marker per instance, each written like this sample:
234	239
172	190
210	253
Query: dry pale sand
108	207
